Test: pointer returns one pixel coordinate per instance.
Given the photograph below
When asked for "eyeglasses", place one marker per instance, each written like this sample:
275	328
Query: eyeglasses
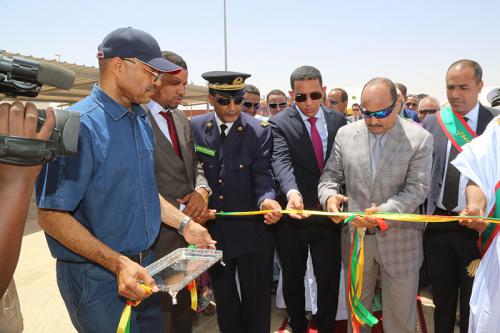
334	102
410	104
224	101
157	75
428	111
384	113
303	97
248	105
275	105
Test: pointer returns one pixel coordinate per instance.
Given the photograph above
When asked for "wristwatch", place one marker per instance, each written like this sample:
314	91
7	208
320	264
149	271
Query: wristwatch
183	225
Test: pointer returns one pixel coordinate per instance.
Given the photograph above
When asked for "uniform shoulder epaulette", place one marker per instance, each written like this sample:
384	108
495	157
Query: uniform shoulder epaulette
264	123
498	121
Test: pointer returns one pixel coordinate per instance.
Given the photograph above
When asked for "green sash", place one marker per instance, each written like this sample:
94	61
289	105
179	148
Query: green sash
455	127
491	231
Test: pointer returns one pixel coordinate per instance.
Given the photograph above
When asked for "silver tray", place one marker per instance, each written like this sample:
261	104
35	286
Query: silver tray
175	270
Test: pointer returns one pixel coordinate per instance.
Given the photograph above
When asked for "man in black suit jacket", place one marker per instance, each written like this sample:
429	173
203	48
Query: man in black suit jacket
303	137
450	247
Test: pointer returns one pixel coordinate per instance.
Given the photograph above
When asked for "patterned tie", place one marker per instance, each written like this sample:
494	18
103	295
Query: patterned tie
451	181
317	144
171	130
222	132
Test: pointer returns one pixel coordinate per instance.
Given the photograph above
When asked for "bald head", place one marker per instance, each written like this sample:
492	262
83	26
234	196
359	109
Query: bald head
428	105
378	100
380	87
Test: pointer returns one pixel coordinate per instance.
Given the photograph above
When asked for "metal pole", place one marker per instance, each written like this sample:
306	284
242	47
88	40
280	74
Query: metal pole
225	38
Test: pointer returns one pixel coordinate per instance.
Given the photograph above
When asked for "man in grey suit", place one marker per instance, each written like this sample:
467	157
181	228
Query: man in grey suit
180	177
385	164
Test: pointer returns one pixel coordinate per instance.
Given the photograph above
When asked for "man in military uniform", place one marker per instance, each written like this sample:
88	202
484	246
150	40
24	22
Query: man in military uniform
235	150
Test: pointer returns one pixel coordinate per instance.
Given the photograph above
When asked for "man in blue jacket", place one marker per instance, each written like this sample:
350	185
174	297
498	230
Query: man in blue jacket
235	150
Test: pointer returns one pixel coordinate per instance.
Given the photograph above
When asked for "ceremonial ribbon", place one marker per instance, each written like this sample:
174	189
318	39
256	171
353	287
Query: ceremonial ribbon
492	230
124	323
192	289
404	217
359	314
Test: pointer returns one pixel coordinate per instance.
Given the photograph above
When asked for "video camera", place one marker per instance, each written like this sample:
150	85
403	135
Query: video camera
24	77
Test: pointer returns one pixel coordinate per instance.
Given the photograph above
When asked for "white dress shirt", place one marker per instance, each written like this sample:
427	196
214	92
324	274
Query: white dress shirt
322	130
155	110
472	118
220	122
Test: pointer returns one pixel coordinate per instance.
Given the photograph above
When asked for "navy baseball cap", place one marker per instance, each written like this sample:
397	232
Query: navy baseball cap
134	43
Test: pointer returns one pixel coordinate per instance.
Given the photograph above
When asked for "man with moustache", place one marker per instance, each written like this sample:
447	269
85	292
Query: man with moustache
405	112
427	106
356	113
450	247
180	177
385	164
101	210
337	100
303	139
276	101
251	100
235	150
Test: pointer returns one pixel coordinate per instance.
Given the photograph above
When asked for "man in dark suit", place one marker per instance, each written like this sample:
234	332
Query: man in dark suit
406	112
450	247
303	137
180	179
235	150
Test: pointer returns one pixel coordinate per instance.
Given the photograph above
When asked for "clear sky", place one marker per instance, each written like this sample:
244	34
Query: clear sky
350	42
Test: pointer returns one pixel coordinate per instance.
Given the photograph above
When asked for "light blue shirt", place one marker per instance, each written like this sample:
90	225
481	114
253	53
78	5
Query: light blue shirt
320	125
109	187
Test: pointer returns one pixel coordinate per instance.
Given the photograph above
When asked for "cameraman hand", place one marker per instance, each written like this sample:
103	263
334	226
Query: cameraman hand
16	183
21	121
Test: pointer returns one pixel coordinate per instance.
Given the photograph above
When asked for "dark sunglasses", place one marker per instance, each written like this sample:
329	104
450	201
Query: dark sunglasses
248	105
275	105
334	102
384	113
227	100
429	111
303	97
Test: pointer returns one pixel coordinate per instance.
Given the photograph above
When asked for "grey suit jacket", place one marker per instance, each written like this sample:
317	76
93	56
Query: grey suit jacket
401	184
175	177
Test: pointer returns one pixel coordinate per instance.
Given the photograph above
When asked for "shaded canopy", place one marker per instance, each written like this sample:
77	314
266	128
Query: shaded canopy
86	77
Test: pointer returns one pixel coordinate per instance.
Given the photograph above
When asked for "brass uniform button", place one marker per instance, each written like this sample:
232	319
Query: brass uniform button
241	166
220	181
221	197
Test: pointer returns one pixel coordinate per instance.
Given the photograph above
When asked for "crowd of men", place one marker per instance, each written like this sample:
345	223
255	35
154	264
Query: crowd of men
141	162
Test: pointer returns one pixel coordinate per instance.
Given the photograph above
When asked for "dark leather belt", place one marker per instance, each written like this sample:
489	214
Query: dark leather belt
439	211
370	232
139	258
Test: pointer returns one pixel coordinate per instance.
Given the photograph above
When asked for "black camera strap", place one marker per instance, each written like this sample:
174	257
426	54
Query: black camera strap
23	151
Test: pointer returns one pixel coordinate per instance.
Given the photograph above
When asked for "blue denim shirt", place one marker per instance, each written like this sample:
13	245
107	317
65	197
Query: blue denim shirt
110	186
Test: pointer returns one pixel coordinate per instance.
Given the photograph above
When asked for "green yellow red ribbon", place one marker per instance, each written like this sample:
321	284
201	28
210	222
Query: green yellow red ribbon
404	217
124	323
192	289
359	314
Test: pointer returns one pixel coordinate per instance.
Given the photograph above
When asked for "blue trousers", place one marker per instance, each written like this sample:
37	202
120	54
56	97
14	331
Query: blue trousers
90	293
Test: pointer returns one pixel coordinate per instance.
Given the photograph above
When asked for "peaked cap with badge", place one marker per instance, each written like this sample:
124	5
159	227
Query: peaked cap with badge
226	83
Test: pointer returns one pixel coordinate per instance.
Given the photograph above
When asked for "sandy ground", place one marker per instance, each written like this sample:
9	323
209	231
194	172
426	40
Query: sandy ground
43	308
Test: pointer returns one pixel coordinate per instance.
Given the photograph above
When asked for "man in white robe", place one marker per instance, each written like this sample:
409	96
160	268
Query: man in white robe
479	162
